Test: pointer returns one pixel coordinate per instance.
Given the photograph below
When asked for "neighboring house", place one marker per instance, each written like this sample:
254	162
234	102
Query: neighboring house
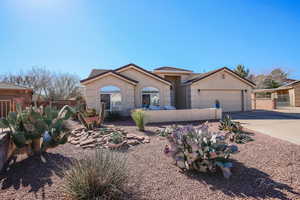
10	95
284	96
131	86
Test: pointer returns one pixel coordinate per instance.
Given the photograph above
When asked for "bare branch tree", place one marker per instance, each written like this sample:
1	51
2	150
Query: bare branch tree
46	84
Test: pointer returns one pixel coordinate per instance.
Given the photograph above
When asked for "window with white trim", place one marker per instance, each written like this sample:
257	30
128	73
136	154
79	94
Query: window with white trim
150	97
111	96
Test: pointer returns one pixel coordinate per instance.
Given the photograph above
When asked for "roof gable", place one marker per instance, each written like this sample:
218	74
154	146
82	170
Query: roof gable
107	73
205	75
131	65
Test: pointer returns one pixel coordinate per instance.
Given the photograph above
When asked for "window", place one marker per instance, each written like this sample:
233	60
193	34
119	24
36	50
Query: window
111	96
150	97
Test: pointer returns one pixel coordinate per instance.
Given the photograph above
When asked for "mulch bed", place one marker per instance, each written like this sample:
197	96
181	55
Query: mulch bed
267	168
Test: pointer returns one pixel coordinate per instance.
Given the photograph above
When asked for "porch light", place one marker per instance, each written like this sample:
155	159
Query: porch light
199	90
246	91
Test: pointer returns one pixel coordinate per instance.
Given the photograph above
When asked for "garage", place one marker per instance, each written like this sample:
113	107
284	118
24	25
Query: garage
232	91
230	100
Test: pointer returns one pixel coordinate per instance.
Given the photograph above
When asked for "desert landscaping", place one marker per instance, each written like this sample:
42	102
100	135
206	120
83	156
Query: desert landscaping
266	168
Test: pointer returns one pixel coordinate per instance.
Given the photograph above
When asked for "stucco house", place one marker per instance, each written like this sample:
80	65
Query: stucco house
131	86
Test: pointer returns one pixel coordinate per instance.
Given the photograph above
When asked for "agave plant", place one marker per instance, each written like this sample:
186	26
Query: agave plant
227	124
198	149
235	130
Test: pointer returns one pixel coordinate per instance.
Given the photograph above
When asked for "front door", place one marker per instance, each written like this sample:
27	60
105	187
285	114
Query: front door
146	100
105	98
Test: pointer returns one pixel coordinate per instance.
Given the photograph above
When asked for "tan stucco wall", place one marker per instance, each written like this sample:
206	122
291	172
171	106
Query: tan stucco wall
147	81
92	93
154	116
217	83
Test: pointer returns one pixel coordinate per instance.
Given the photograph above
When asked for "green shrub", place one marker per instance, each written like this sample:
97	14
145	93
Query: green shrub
113	116
99	176
138	117
200	150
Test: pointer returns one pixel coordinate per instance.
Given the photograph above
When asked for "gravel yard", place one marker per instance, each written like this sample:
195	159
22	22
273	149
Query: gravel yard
267	168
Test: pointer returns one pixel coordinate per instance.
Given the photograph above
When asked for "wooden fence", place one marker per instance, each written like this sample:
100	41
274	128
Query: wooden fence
6	106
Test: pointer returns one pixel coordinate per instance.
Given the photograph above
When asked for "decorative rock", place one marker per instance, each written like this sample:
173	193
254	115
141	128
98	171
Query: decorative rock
97	134
78	129
101	136
140	137
74	142
133	142
114	146
89	146
84	138
131	136
89	141
147	139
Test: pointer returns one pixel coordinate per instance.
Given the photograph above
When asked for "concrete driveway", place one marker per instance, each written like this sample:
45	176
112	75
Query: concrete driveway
283	124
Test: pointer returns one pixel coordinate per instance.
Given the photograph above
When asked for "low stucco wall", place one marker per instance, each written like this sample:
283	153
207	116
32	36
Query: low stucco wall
155	116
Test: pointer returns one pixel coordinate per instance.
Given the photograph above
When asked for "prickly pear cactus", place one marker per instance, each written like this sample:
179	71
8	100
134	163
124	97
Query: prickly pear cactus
27	127
199	149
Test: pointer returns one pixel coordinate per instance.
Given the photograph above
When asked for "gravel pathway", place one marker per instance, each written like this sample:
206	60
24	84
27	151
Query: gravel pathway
267	168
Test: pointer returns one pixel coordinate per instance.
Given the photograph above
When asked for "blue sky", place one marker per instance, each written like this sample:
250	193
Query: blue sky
78	35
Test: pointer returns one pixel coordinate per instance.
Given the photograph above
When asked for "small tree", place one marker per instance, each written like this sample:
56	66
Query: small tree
270	83
242	71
